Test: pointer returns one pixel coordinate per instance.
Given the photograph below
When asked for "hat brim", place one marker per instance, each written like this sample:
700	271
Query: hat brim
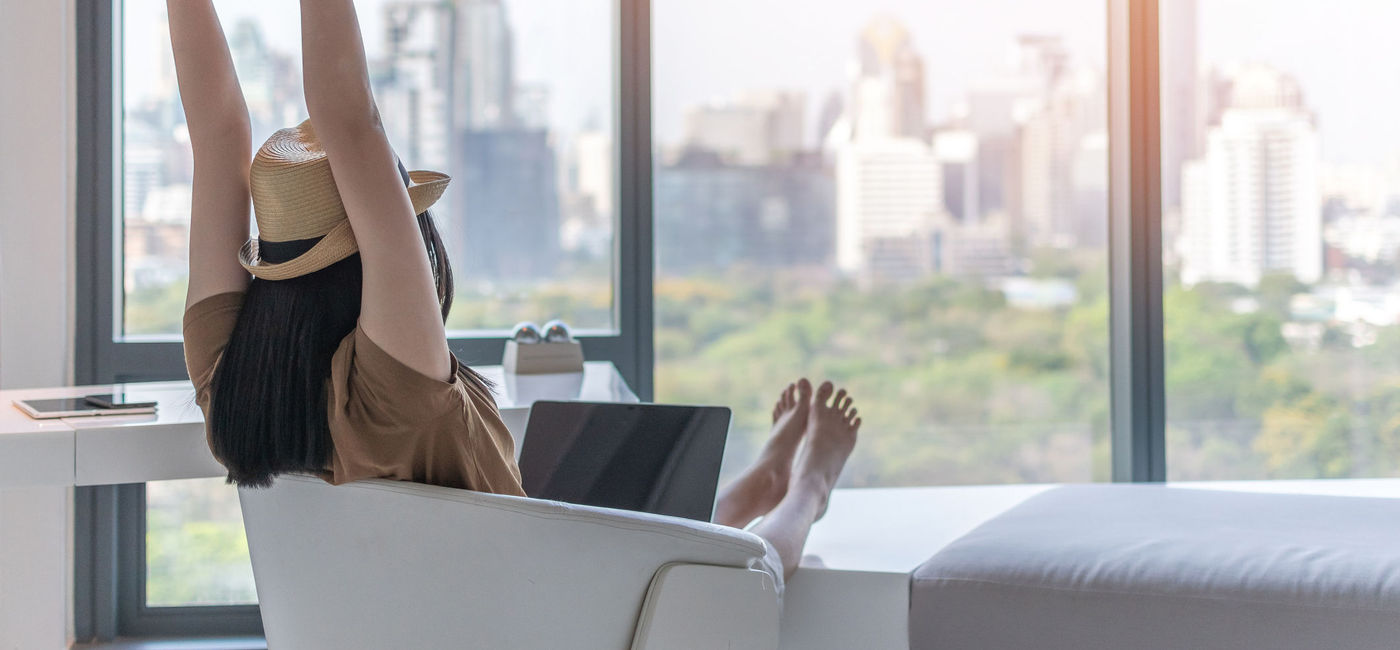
335	246
426	188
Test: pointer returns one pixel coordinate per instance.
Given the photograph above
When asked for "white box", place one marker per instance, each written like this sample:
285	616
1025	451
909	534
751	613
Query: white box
543	358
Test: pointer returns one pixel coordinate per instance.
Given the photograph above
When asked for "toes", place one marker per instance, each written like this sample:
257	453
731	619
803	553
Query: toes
851	415
840	395
824	393
845	404
855	425
804	391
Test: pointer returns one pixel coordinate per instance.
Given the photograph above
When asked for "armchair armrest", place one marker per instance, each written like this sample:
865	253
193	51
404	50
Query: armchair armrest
685	601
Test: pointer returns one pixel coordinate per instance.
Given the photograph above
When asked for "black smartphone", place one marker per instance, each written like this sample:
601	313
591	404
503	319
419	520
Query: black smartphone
110	401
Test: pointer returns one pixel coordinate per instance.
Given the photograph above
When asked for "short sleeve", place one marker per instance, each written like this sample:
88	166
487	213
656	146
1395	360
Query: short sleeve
207	327
391	421
395	389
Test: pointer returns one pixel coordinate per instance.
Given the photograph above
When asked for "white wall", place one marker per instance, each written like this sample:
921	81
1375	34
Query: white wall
36	217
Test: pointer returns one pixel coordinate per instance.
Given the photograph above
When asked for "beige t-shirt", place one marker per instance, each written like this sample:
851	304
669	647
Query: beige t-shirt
386	419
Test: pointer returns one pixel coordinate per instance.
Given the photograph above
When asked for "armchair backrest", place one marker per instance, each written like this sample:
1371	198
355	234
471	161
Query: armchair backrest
385	564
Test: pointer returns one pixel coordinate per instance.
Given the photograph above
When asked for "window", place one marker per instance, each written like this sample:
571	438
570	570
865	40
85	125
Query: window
518	100
921	202
909	201
514	99
1282	238
196	553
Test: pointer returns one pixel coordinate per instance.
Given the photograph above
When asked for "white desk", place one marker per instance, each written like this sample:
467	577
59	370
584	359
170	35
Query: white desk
170	444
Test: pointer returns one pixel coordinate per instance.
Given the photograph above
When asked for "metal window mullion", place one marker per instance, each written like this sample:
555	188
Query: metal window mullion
1135	243
96	568
633	247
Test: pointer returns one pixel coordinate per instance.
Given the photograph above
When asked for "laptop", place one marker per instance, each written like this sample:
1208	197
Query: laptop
656	458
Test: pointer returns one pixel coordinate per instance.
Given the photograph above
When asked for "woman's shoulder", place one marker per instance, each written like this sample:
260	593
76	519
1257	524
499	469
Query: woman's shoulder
206	328
361	370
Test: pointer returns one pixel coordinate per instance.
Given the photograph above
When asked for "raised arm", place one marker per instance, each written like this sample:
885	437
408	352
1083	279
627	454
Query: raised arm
220	135
399	308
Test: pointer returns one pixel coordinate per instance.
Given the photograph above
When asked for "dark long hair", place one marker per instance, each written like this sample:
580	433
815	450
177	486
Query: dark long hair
268	409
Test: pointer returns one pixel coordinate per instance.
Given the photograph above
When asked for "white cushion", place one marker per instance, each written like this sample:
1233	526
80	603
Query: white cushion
1120	566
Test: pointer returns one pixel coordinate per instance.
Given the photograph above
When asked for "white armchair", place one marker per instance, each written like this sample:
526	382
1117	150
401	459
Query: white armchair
384	564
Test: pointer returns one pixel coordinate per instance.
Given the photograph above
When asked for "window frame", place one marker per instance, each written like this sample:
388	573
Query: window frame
110	571
110	520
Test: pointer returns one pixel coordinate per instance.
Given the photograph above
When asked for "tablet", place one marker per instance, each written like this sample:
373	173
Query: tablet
68	407
656	458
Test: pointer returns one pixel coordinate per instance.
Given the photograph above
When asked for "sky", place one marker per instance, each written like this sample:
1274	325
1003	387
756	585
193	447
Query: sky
708	50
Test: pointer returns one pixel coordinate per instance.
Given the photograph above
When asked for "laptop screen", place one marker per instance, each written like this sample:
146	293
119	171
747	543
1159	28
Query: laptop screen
655	458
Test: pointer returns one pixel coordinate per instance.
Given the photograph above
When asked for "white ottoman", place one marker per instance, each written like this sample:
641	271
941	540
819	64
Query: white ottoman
1148	567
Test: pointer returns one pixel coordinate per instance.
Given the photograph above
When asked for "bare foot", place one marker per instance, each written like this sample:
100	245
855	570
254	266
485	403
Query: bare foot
761	486
831	436
789	423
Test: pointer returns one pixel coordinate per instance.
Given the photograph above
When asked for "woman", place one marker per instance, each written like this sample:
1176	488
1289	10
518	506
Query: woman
334	359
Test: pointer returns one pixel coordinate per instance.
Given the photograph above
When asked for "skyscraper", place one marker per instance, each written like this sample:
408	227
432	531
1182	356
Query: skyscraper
887	96
448	67
998	108
956	151
509	216
888	181
416	74
1251	205
450	102
483	56
1071	110
767	216
757	128
889	198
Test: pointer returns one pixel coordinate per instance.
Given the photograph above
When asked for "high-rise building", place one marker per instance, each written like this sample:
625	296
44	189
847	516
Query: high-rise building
768	216
415	77
889	197
1051	144
448	67
587	189
889	181
976	249
887	96
757	128
1251	205
509	220
956	151
271	79
483	90
451	102
594	169
997	108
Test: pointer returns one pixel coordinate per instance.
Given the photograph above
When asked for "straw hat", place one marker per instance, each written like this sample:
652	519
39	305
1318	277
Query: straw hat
295	198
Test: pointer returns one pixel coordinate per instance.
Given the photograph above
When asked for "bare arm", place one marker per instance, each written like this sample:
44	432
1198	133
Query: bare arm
399	307
220	135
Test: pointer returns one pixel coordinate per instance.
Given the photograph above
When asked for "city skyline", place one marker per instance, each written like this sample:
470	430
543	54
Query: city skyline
1025	156
1230	32
1001	311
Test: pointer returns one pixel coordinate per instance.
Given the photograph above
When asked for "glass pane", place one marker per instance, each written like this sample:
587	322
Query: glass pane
513	98
911	202
196	553
1281	238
